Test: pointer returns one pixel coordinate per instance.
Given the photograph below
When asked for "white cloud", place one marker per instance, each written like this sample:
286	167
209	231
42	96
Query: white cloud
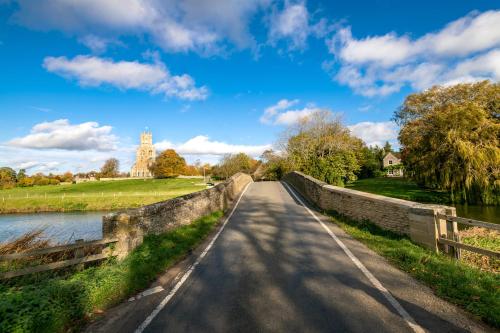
465	50
60	160
272	111
60	134
290	117
294	24
177	26
291	23
98	44
202	145
282	114
375	133
154	77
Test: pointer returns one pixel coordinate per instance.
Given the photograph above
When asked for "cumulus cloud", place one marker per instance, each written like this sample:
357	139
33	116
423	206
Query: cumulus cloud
375	133
271	112
282	113
60	134
176	26
98	44
465	50
153	77
294	24
202	145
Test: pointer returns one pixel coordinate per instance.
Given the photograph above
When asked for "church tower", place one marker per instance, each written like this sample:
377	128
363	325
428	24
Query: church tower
144	157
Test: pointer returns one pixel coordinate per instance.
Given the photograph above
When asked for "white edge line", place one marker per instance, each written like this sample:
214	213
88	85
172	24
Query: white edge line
186	275
147	292
375	282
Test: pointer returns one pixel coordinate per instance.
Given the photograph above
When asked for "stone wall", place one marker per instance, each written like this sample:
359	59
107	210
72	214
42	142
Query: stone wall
130	226
400	216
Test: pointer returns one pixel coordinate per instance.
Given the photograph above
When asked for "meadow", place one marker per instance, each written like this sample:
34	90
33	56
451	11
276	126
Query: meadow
99	195
400	188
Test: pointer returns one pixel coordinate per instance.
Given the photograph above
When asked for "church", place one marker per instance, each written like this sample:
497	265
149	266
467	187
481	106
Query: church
145	156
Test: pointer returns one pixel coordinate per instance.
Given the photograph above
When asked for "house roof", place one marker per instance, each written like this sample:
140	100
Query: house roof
397	155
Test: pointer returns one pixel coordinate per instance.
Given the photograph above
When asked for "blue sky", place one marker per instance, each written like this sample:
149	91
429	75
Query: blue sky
80	80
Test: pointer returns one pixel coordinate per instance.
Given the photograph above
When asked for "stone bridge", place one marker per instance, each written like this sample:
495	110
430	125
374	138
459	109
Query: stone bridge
276	264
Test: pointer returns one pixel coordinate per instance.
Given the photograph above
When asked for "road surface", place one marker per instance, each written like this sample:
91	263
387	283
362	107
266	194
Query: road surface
275	268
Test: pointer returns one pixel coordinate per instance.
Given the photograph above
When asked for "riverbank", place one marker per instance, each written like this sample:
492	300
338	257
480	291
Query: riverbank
95	196
58	301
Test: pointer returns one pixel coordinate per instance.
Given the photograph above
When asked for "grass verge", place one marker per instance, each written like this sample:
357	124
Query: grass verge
474	290
62	303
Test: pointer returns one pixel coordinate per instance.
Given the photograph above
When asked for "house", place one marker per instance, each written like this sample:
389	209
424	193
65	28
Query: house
392	165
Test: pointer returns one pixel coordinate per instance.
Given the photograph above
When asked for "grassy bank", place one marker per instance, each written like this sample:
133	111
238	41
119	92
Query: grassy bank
105	195
400	188
474	290
57	303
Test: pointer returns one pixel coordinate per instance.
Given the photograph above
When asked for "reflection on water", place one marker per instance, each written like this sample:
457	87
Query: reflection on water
59	227
483	213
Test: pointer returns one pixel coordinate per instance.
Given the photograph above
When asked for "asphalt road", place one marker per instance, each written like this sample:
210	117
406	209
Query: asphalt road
274	268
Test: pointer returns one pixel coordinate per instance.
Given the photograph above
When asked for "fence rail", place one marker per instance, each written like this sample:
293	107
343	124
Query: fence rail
470	222
451	239
77	247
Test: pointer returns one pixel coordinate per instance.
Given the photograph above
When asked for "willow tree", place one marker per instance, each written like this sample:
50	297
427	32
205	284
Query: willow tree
321	146
450	140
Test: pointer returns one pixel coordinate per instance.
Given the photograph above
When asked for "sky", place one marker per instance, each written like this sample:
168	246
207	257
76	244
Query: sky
80	80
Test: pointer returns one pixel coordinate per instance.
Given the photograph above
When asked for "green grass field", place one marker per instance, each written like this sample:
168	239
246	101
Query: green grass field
106	195
400	188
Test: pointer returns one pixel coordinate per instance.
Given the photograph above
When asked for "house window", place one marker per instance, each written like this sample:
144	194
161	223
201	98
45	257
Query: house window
390	172
390	161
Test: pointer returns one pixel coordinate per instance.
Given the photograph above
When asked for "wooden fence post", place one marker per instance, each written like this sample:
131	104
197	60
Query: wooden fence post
79	253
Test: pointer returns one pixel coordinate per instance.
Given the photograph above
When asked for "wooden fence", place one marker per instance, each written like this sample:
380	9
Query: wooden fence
76	251
450	239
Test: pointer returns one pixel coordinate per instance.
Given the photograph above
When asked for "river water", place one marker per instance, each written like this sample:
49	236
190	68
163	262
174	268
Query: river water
59	227
66	227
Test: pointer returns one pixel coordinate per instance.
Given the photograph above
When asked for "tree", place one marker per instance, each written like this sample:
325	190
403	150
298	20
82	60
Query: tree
7	177
274	165
321	146
234	163
387	148
371	162
168	164
21	174
450	139
110	168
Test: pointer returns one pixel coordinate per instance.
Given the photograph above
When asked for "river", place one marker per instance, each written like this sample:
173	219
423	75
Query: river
483	213
66	227
59	227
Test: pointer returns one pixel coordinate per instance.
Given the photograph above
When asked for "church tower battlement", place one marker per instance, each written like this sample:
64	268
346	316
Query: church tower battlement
144	157
146	138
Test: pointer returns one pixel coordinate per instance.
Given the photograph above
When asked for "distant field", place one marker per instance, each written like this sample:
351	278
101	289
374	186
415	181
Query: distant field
105	195
400	188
